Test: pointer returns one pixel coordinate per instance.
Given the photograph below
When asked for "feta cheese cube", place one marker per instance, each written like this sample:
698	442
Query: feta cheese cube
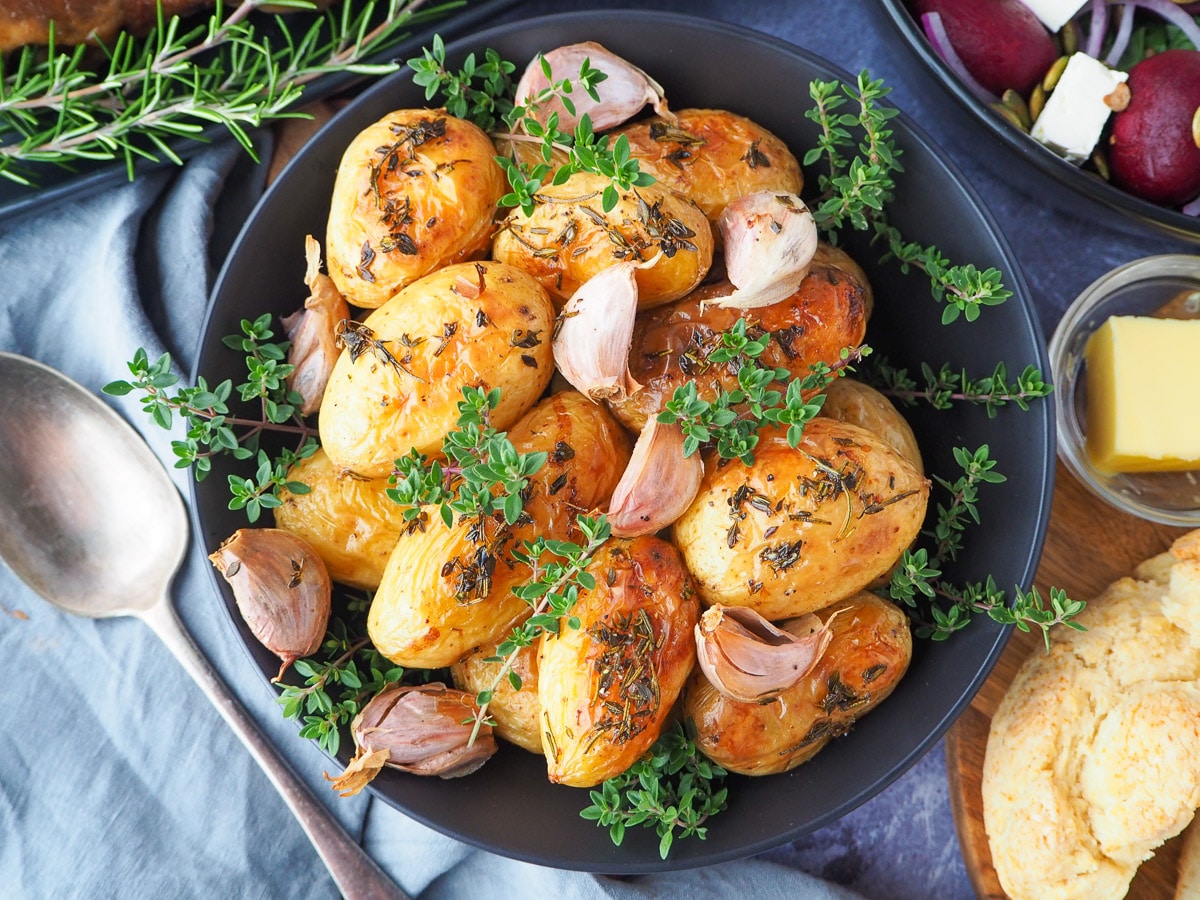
1076	112
1054	13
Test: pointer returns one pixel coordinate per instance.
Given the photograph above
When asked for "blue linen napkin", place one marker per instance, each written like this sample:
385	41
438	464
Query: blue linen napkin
117	779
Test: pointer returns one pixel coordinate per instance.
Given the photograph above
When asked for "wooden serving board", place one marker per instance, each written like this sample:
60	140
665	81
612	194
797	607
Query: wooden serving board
1089	544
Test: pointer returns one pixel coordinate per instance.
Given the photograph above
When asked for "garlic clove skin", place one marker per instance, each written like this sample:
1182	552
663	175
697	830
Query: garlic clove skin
421	729
770	238
312	331
747	658
622	95
594	333
658	484
282	588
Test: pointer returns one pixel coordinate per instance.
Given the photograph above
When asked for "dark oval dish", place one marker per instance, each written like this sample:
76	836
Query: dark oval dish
509	807
1092	186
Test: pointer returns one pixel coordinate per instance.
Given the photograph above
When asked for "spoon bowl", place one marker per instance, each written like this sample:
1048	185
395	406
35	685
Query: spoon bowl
91	521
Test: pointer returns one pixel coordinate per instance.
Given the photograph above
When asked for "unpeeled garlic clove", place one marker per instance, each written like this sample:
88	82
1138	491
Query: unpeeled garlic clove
622	94
595	331
658	484
421	729
313	332
747	658
770	239
282	590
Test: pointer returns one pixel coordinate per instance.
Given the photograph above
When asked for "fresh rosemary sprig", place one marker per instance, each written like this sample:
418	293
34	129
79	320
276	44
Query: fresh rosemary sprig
212	431
946	386
479	92
673	789
57	107
855	193
919	571
344	675
731	420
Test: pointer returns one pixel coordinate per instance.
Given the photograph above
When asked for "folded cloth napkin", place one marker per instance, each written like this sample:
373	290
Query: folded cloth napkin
117	779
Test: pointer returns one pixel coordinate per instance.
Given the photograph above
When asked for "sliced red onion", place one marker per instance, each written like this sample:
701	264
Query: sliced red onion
1192	209
1121	41
936	32
1174	14
1097	26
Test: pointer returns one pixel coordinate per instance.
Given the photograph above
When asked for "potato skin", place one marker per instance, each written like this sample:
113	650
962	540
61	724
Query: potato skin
606	688
350	521
868	655
712	156
415	191
517	714
671	343
569	238
375	411
850	400
431	608
801	528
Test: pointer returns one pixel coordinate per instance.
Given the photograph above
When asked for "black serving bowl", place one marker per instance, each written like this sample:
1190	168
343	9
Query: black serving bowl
1084	182
509	807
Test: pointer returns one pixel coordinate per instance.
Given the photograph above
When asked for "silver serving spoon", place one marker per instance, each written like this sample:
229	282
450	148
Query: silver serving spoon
76	483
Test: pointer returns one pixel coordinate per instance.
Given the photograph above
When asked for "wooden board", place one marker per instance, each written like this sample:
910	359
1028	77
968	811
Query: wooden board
1088	545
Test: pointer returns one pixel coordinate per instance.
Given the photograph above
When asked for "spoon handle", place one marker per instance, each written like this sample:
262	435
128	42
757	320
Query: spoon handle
355	873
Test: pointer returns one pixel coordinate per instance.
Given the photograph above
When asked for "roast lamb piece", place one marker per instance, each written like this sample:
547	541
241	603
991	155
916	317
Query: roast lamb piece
78	21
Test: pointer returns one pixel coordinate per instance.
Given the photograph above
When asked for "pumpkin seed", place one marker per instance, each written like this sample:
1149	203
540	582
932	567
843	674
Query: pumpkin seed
1100	161
1037	102
1196	127
1017	104
1054	73
1070	37
1010	114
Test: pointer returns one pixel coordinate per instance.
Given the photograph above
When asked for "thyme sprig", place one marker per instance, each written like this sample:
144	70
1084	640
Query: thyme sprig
947	385
340	679
951	607
856	191
479	92
552	591
484	473
238	70
732	419
673	789
212	431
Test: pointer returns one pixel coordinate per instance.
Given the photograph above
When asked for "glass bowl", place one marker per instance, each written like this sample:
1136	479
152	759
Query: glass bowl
1164	286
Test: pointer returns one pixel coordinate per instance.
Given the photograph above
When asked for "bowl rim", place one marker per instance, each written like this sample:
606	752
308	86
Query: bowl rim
1040	494
1173	222
1066	368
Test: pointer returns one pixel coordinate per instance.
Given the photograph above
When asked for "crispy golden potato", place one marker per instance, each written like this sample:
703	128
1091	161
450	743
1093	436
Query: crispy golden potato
397	385
349	520
606	688
415	191
446	591
801	528
712	157
569	238
867	657
517	713
849	400
671	344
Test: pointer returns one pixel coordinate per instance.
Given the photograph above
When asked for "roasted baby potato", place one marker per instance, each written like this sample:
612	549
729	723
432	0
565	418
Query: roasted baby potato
569	238
801	528
671	344
517	714
414	192
849	400
605	688
868	655
349	520
712	157
446	591
397	385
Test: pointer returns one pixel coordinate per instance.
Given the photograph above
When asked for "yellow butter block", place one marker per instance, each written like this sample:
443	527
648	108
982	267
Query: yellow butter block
1143	395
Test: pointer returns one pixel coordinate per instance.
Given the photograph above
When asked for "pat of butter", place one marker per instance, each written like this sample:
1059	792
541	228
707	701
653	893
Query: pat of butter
1143	377
1076	112
1054	13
